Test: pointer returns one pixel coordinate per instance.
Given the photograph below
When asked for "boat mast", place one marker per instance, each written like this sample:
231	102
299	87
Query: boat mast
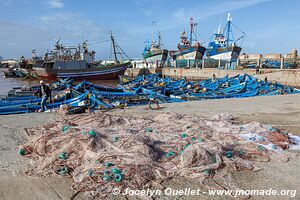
192	29
219	28
114	47
159	38
152	31
228	28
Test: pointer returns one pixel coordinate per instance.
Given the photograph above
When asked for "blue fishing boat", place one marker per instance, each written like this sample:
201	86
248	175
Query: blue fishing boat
29	91
33	107
115	94
56	97
188	49
224	46
144	89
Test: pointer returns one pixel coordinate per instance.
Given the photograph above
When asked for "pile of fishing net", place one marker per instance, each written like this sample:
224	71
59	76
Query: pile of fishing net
102	151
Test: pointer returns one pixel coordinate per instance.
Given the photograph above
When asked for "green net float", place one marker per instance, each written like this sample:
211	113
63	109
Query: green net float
106	173
92	133
118	177
63	170
22	152
63	156
186	146
229	154
90	172
170	154
207	171
106	178
148	130
200	139
116	171
183	135
109	164
261	148
65	128
115	138
241	152
214	159
260	138
271	129
194	139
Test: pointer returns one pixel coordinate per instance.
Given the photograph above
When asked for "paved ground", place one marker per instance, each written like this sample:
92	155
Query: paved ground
281	111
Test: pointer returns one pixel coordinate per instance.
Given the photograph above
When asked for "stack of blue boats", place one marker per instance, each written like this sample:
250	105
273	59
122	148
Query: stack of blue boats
239	86
140	90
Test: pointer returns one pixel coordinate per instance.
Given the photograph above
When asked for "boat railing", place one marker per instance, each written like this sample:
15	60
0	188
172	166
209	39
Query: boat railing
233	64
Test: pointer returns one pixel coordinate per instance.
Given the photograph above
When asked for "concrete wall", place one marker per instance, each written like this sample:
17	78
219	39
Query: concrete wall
272	56
251	56
288	77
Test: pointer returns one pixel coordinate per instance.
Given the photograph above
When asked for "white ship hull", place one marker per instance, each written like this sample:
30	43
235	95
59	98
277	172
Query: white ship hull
157	60
232	54
188	56
153	59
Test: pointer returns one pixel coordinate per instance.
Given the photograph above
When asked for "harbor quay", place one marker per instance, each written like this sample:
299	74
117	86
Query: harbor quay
286	76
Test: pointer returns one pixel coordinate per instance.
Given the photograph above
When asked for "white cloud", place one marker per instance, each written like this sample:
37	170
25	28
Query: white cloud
55	3
18	39
71	24
180	17
149	12
202	12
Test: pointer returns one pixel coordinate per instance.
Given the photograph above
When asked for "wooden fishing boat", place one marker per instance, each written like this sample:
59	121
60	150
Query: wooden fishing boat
124	79
30	90
21	101
33	107
105	88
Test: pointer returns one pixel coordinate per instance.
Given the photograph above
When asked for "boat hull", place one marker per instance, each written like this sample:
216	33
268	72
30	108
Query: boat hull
192	53
157	57
224	53
105	73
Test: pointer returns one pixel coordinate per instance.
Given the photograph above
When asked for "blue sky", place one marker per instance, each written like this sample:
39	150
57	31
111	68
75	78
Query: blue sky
271	26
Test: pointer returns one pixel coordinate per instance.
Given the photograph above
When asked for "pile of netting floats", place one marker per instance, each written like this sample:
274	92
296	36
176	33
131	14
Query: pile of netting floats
102	151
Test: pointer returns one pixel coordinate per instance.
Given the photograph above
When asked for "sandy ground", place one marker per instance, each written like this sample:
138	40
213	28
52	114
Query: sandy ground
278	111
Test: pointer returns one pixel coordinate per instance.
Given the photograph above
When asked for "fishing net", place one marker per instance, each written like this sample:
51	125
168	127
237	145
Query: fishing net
102	151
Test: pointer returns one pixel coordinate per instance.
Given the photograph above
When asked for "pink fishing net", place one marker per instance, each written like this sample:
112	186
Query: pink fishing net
102	151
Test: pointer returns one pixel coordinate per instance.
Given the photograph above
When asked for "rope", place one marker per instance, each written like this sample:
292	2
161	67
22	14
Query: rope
93	43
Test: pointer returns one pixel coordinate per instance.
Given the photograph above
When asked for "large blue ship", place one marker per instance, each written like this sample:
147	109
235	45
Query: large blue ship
188	49
224	46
